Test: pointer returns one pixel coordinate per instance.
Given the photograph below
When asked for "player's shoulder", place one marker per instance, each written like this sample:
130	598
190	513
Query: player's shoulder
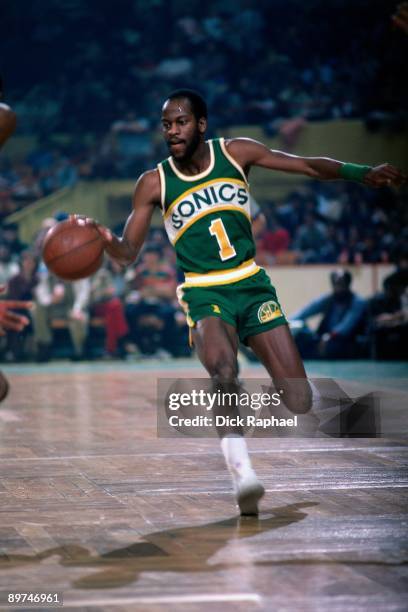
239	143
149	182
242	150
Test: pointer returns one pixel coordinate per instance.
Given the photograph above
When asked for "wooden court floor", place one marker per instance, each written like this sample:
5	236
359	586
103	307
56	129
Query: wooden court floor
94	505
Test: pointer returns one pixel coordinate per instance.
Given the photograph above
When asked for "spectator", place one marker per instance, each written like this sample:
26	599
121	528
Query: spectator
150	311
343	315
106	302
274	241
8	267
309	239
389	314
55	299
21	287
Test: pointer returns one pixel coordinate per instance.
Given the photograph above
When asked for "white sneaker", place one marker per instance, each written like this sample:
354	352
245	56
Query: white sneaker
248	490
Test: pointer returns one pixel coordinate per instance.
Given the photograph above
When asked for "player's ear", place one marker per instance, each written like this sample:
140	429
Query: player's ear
202	125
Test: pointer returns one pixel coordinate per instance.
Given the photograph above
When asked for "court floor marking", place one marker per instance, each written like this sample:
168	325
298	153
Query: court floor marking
271	451
163	599
319	486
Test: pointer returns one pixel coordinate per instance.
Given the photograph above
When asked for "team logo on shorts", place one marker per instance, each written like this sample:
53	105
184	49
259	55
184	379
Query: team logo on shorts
269	311
216	308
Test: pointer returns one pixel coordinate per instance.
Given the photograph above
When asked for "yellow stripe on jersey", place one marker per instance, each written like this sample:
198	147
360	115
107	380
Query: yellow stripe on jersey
223	277
202	186
214	209
244	264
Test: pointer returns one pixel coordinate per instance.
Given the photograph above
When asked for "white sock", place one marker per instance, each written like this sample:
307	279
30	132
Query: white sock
236	455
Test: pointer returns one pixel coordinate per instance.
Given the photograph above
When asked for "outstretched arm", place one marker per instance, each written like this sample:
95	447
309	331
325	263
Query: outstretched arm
146	196
248	152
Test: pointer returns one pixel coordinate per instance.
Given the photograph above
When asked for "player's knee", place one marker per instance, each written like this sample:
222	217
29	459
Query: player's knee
223	369
298	397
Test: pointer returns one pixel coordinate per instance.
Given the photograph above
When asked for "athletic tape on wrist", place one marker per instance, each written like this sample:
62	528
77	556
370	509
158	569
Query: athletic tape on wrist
354	172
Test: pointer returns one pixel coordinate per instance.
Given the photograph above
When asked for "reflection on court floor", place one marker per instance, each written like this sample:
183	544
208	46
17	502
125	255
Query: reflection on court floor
95	506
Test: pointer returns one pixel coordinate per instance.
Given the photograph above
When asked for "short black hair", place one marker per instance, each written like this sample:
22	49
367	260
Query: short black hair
341	276
197	102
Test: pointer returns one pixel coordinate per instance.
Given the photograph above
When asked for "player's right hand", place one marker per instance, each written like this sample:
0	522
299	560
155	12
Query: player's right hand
105	232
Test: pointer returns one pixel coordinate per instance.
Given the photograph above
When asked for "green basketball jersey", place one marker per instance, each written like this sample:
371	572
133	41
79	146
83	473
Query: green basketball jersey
207	216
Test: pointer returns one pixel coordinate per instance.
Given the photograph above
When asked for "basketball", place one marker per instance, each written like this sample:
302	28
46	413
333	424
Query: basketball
73	250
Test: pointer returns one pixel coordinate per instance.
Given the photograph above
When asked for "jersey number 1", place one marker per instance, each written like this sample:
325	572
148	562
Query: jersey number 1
217	229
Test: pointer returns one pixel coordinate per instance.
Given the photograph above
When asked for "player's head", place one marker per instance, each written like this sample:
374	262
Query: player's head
184	122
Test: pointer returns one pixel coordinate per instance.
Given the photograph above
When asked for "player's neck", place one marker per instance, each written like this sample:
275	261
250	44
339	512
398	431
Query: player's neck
197	163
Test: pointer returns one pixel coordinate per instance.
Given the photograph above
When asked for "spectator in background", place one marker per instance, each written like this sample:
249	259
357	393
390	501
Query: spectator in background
55	299
343	315
106	302
150	311
310	237
9	237
274	241
332	246
131	140
21	287
389	314
27	187
8	266
352	249
46	225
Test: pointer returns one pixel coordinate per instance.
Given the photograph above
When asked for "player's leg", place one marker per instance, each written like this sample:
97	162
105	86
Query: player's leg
216	343
277	351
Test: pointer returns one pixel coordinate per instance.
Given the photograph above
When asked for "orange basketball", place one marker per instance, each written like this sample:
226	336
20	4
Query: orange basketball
73	249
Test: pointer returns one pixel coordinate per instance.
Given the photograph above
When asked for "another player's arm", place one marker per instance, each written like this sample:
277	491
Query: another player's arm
145	198
8	122
10	320
248	152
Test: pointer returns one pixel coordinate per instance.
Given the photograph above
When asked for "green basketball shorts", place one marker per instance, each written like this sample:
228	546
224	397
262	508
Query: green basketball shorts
250	305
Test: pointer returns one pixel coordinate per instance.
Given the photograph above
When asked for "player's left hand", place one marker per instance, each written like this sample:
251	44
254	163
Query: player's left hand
104	232
385	175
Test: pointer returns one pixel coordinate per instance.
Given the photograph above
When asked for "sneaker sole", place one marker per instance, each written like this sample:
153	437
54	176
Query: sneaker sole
248	500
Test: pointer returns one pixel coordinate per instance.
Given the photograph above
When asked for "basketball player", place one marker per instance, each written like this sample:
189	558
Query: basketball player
202	190
9	319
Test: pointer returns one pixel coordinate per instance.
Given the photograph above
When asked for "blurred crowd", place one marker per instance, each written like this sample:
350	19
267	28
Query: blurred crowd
334	222
113	314
135	313
331	222
274	64
257	62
